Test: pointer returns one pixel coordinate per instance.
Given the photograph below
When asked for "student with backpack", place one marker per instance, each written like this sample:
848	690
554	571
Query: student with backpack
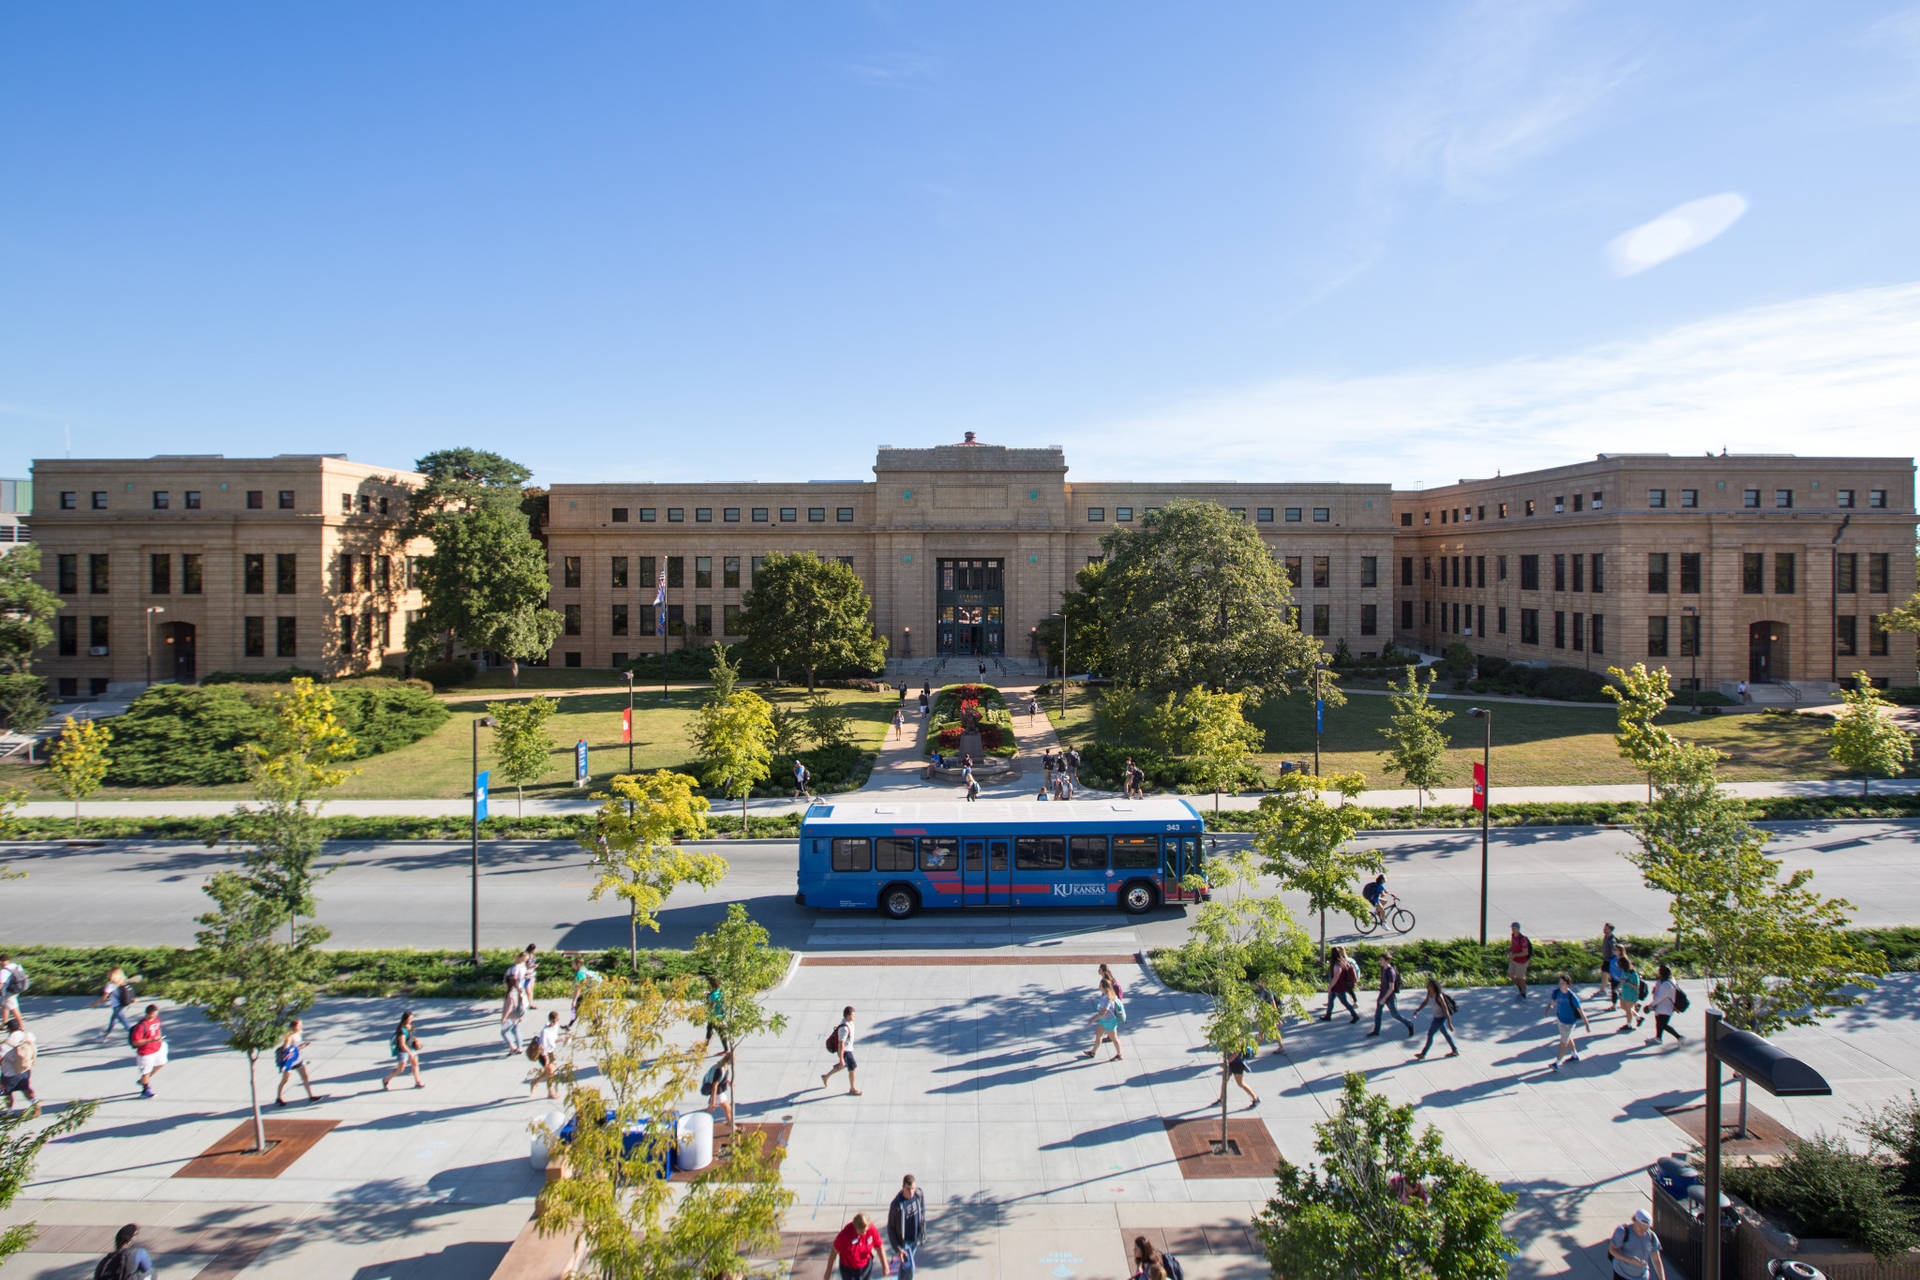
800	777
907	1226
13	984
1441	1019
1342	977
840	1045
1107	1019
544	1052
149	1043
1567	1013
1665	1000
290	1057
17	1056
128	1261
1519	956
1633	989
1234	1068
1389	992
1147	1259
118	995
405	1047
717	1086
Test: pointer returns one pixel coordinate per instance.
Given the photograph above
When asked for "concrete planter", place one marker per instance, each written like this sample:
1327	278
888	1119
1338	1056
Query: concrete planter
1757	1240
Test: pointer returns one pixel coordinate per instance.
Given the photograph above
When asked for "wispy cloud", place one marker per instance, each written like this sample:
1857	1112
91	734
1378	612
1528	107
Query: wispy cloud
1681	229
1828	374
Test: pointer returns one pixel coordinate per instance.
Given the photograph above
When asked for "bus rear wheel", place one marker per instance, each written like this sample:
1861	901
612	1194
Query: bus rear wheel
898	901
1138	897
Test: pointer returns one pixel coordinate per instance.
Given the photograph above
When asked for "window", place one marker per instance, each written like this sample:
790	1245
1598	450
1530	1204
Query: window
1656	498
1500	618
346	509
730	514
1370	571
647	568
620	515
1596	634
703	515
816	515
789	513
730	620
69	500
1406	615
1559	629
852	854
99	579
1559	573
1529	626
346	634
346	571
572	658
1559	504
1293	571
383	506
1087	853
256	499
1750	498
1753	569
1323	572
1293	516
1689	635
1657	636
1480	570
939	853
1322	620
676	620
1135	853
676	571
383	573
730	573
1261	515
1322	514
1369	619
1529	573
703	571
69	570
569	571
1843	498
703	619
1689	573
1689	497
753	567
843	515
1500	568
190	574
1039	853
1579	631
160	575
1783	573
1846	580
676	515
618	573
1426	568
1503	511
646	515
1406	571
1876	638
1579	575
893	853
253	574
99	499
619	619
1096	514
366	508
285	631
1406	519
1599	575
161	499
254	632
1451	564
97	632
572	614
1877	572
1783	498
1876	497
68	628
1657	573
1597	496
1577	504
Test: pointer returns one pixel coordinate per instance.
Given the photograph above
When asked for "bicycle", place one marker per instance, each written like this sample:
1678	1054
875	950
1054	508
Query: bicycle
1393	917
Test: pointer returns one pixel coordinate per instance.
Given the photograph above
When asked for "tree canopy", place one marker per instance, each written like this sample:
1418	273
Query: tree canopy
26	610
1865	739
522	748
808	614
1307	844
1417	749
633	844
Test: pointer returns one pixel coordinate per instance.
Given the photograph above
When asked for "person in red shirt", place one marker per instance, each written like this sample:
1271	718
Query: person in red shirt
1519	956
856	1249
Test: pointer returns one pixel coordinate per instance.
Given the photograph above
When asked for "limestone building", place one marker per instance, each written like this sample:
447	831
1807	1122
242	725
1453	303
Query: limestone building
176	566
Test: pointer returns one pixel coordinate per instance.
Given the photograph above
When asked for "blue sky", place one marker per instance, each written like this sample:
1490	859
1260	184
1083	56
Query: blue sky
1369	242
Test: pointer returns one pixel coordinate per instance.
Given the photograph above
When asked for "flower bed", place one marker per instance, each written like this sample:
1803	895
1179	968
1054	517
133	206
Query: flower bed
954	704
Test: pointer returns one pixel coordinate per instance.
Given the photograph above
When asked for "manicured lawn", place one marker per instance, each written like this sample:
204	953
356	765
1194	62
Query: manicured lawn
439	765
1532	745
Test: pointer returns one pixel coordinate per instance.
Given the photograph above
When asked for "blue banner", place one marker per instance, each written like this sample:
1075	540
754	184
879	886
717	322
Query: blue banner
480	794
1319	715
580	763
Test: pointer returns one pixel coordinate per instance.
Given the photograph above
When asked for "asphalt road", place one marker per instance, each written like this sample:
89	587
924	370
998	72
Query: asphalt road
1560	881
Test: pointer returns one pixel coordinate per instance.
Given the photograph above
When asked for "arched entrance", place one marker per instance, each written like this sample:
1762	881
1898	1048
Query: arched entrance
1766	652
177	660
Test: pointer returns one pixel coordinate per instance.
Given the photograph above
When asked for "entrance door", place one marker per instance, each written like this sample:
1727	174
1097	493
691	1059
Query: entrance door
1761	664
973	873
177	641
1179	856
999	874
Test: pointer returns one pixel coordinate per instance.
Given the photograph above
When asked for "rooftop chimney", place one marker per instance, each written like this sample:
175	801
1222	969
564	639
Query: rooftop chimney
969	439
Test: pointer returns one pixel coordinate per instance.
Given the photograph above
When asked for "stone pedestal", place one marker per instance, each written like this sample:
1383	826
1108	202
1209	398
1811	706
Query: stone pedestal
970	746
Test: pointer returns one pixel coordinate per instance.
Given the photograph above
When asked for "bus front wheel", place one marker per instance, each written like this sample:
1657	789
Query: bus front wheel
1138	897
898	901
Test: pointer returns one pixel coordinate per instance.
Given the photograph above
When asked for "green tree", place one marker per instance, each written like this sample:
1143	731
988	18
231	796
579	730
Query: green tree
26	610
1689	812
1194	597
738	743
1418	750
1865	738
789	731
828	723
292	767
738	956
24	700
633	1222
811	614
79	761
1077	633
247	982
1307	844
19	1149
723	672
634	849
1208	730
485	582
522	747
1641	695
1343	1218
1238	939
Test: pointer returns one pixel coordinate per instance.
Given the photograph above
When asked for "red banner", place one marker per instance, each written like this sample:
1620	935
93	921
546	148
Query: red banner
626	725
1479	785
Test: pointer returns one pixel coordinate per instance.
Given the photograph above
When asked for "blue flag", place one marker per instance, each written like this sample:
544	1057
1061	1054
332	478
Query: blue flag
480	794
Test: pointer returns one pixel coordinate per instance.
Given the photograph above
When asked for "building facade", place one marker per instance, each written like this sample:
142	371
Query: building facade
16	506
174	567
1762	568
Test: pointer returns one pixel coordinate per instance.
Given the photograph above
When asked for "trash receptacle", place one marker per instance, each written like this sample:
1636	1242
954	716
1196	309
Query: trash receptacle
1729	1227
546	1140
693	1146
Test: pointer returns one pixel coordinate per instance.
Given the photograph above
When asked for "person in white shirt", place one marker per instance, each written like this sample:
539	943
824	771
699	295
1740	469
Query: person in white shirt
1661	1001
546	1046
843	1053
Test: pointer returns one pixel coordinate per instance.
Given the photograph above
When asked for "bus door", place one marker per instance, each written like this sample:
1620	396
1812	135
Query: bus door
973	873
1179	856
999	873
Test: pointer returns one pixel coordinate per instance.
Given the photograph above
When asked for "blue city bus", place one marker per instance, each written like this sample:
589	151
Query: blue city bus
898	858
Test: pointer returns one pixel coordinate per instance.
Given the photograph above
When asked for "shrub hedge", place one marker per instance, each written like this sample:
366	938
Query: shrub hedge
1103	763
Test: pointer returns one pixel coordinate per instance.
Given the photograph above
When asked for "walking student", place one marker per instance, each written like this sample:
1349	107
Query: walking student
857	1248
13	985
717	1086
841	1047
17	1056
968	780
128	1261
1389	992
1234	1068
1073	765
1610	964
544	1050
405	1047
1151	1264
584	980
1567	1014
1441	1019
1632	991
1107	1019
1519	956
149	1043
906	1226
1635	1250
290	1058
118	996
1106	975
800	777
1342	977
529	974
510	1012
1665	1001
900	715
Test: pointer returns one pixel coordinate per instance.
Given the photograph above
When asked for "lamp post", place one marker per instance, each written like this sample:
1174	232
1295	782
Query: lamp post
629	725
1063	664
1773	1070
479	722
907	632
1693	703
1319	713
151	610
1485	802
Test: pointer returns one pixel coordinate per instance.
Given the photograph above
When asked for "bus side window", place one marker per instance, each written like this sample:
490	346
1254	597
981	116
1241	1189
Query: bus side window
1087	853
1039	853
939	853
1136	853
1192	844
852	853
893	853
973	857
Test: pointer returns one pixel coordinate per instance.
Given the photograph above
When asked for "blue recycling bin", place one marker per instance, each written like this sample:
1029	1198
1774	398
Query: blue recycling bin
634	1135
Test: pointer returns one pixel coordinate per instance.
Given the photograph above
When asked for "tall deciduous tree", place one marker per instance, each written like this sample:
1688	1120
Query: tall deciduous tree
1865	739
634	846
1078	634
1355	1214
1416	735
736	955
1193	597
79	761
19	1148
1641	694
808	614
485	581
1307	844
1207	730
633	1222
522	748
738	741
291	768
247	982
26	610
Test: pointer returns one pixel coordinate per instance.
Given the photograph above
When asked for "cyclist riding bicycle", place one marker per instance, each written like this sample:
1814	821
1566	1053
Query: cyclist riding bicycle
1378	898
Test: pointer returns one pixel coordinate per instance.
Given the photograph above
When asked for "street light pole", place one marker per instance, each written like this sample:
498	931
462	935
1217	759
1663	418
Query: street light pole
151	610
1693	703
1486	806
478	723
629	675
